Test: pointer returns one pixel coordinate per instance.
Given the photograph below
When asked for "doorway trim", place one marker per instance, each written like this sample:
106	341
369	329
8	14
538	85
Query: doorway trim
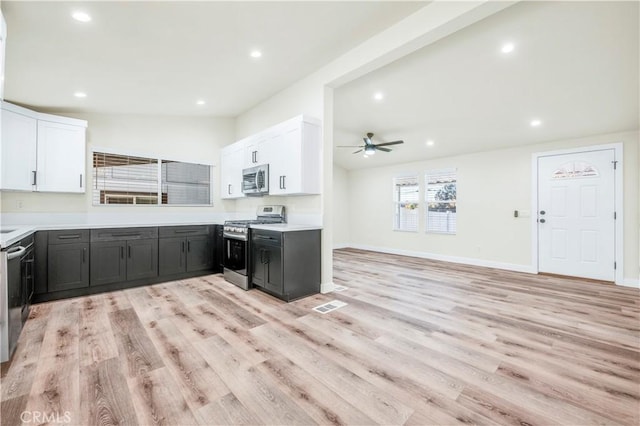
619	205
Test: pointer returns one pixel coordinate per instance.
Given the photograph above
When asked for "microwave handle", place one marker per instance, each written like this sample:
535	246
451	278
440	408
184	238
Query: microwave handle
260	179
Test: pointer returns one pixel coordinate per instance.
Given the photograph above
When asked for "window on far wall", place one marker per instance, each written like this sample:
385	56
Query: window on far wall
441	198
406	194
126	179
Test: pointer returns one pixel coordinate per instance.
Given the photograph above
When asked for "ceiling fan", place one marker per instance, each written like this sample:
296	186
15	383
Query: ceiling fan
369	147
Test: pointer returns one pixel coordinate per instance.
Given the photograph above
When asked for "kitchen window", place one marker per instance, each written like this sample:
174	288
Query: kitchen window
441	196
135	180
406	194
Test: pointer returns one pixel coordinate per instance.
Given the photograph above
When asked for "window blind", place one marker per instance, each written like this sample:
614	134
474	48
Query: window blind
406	195
186	183
124	179
441	197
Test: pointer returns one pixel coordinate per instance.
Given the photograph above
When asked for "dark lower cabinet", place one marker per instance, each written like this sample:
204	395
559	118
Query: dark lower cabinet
267	267
186	249
68	266
123	254
199	253
72	263
142	259
286	264
172	255
108	263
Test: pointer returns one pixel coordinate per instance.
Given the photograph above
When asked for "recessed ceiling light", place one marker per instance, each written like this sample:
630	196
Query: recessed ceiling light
507	48
255	54
200	102
535	122
378	96
430	142
81	16
80	95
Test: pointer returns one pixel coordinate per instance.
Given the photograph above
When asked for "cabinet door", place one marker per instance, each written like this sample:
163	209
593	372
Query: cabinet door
273	269
199	253
257	150
172	258
68	266
231	165
108	263
61	157
19	135
284	171
142	259
257	265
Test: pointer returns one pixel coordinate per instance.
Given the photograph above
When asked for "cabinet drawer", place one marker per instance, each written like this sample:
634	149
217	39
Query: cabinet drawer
266	237
183	231
69	236
118	234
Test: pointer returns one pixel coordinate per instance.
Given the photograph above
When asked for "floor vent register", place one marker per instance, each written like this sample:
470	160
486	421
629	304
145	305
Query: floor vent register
329	306
340	288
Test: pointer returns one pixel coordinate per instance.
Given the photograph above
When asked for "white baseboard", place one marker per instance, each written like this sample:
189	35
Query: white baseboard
327	287
337	246
630	282
454	259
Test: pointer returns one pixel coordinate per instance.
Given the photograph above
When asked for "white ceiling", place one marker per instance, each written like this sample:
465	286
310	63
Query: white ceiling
160	57
574	66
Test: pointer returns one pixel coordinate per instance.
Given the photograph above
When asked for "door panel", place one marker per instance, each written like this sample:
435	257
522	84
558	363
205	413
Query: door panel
108	263
142	259
68	266
172	259
19	135
199	253
576	226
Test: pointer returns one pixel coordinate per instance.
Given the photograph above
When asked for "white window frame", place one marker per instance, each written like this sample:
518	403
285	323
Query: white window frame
159	162
396	203
427	175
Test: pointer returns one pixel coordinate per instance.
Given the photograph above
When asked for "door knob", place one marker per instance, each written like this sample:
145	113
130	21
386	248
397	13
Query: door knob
542	212
542	221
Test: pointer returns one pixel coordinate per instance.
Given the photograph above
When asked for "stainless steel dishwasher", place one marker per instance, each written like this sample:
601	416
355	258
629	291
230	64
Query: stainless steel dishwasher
16	289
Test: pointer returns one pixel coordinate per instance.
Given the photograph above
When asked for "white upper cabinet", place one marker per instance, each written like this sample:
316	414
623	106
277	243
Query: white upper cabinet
19	142
3	44
231	165
61	157
293	151
256	151
42	152
297	159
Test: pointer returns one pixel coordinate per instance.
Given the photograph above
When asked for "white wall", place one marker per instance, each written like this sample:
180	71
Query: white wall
341	205
192	139
491	185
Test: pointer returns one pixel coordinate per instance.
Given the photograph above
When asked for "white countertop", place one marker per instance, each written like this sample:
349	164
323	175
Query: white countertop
285	227
21	231
18	232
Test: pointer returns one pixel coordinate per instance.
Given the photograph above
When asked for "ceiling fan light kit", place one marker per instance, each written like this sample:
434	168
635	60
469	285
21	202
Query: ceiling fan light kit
369	147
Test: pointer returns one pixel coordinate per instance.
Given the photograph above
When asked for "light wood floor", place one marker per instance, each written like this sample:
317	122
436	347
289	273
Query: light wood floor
420	342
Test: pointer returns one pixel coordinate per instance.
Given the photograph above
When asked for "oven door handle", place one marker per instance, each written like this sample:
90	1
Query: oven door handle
235	237
16	252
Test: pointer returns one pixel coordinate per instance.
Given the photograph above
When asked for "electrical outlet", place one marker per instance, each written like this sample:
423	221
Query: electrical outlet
19	204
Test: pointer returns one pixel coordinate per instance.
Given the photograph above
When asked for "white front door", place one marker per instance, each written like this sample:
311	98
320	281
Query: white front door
576	207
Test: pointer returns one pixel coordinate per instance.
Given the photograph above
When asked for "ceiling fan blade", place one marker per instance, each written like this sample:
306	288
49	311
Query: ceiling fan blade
360	150
348	146
390	143
367	141
382	149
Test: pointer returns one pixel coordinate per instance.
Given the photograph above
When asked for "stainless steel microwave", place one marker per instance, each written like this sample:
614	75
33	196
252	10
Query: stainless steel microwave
255	181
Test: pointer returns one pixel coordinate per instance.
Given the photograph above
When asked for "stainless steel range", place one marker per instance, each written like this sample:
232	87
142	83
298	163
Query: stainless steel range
236	234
